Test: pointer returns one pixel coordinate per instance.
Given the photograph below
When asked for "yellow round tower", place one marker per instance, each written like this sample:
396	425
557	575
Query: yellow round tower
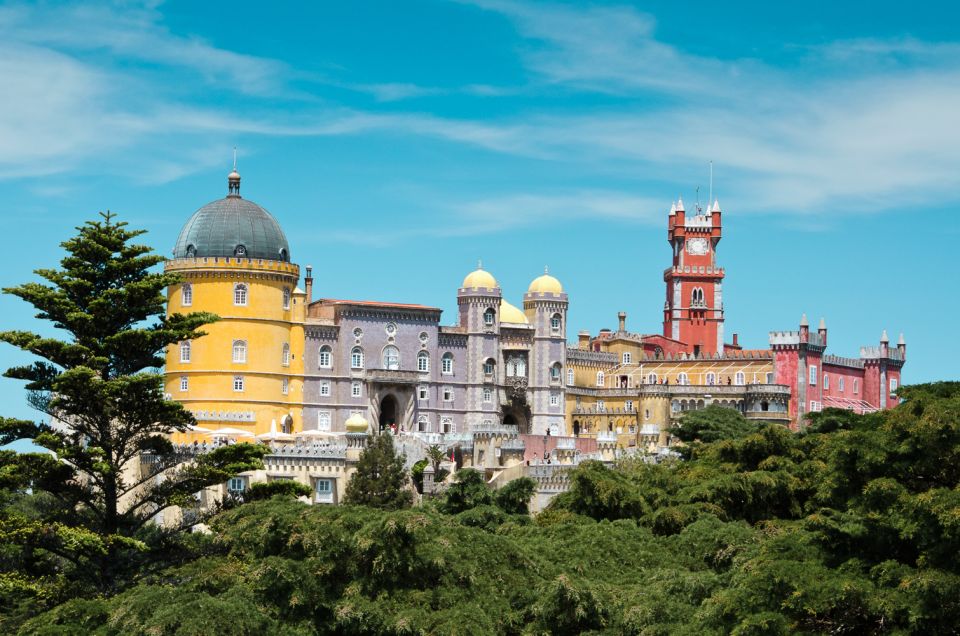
248	370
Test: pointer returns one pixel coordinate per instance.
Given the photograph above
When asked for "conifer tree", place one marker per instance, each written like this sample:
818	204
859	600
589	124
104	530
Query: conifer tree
379	480
99	385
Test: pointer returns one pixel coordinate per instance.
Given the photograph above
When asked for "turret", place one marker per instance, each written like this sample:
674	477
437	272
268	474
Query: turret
583	340
804	329
902	347
884	344
308	284
822	330
622	317
715	213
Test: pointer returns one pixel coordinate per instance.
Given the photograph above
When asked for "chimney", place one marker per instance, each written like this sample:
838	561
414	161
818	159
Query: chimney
736	340
583	340
308	283
623	320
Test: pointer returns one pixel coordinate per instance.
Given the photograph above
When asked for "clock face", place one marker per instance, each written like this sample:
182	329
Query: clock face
697	246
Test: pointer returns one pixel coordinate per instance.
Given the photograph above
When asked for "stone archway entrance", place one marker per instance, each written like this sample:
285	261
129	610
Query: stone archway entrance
517	417
389	412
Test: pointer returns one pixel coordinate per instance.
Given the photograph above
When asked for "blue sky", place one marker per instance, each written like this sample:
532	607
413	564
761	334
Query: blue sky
397	143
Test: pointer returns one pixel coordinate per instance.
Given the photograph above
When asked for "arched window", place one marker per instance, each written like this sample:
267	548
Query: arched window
652	378
285	355
185	351
446	364
683	378
423	362
240	351
186	295
326	358
489	316
711	378
391	358
600	378
569	377
627	357
556	372
240	294
423	424
489	366
740	378
555	323
286	298
240	250
356	358
826	382
856	385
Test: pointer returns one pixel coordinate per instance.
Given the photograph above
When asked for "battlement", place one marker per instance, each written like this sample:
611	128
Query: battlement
232	263
876	353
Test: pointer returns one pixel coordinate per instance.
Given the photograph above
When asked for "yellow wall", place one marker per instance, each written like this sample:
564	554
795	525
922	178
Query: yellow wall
263	323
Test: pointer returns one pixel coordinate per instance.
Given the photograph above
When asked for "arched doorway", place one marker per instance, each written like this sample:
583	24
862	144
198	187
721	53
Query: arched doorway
509	419
388	412
286	424
576	428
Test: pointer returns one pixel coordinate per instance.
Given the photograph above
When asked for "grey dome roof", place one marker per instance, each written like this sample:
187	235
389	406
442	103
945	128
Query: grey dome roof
232	226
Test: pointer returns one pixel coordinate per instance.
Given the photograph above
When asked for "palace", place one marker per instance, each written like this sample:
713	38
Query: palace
281	364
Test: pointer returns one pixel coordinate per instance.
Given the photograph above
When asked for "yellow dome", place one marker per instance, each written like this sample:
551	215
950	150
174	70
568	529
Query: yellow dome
545	283
479	278
509	313
356	424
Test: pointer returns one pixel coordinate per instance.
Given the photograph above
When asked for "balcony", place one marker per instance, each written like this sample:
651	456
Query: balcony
393	376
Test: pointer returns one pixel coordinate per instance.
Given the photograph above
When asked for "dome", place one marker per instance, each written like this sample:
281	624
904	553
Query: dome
509	313
545	283
232	226
356	424
480	278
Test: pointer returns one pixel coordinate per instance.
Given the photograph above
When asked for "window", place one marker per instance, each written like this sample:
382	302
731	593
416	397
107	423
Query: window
423	424
554	399
356	358
555	324
627	357
447	394
424	337
488	317
683	378
652	378
286	298
423	393
856	386
240	351
185	351
238	383
391	358
236	485
324	490
815	406
740	378
285	355
487	395
423	362
826	382
391	329
326	359
489	366
357	332
356	389
893	385
324	389
569	377
446	364
769	378
840	383
446	425
696	297
186	295
556	372
711	378
600	378
285	386
184	383
240	250
628	405
240	294
813	376
323	421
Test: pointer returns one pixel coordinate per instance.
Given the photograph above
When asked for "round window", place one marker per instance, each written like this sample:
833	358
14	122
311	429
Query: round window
357	332
240	250
391	329
424	337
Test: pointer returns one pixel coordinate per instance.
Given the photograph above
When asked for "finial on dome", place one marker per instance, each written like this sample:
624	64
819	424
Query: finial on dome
479	263
546	269
233	179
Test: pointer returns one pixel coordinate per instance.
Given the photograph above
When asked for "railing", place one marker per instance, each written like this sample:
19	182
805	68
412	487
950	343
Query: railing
767	415
394	376
494	428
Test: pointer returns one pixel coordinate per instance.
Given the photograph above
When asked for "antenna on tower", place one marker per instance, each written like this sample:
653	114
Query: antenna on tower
234	158
699	209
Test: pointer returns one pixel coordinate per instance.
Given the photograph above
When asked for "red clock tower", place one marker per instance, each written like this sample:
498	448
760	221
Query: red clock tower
693	313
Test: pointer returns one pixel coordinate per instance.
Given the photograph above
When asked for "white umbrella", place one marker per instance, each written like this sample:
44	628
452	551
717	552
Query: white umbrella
199	429
274	435
232	432
316	433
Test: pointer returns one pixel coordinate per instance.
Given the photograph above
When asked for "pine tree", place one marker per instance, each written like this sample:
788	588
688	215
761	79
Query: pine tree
100	386
380	480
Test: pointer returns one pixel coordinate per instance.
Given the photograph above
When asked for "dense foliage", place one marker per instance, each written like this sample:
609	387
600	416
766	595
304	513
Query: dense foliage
380	480
849	528
77	518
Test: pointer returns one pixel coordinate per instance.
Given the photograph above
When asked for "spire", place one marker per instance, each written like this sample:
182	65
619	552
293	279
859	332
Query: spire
680	205
883	337
901	341
803	321
233	179
479	263
673	209
546	270
716	205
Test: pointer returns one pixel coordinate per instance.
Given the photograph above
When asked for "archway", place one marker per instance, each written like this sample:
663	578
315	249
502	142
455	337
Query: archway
388	412
509	419
576	428
286	424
